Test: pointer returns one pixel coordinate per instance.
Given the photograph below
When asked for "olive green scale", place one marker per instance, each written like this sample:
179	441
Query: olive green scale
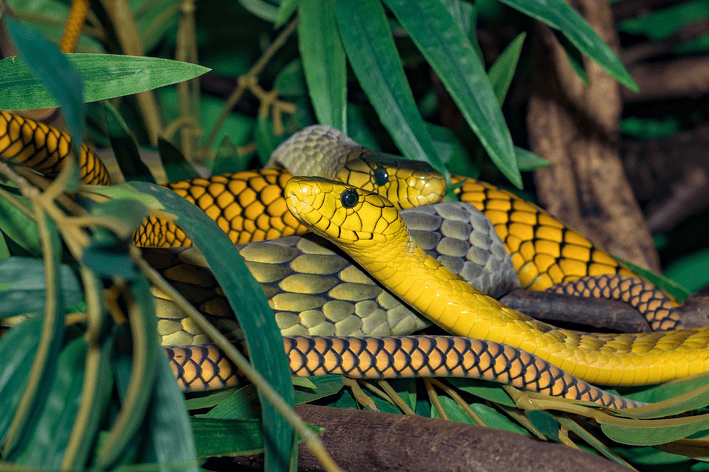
314	290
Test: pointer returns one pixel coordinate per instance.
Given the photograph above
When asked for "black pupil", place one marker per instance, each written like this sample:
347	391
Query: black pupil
381	176
349	198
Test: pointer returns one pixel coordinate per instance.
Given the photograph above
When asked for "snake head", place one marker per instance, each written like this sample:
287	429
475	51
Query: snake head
406	184
346	215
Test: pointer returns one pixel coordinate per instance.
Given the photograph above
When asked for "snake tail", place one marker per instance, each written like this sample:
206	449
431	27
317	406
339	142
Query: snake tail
45	149
640	294
204	367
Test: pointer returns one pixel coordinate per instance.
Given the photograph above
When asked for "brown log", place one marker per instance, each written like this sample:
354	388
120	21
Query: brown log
583	313
576	128
361	440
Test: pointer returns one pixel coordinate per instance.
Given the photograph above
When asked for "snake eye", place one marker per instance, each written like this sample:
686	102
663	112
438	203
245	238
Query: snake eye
381	176
349	198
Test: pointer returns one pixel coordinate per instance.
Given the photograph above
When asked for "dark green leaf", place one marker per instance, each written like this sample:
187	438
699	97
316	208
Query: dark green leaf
545	423
290	81
245	296
215	437
285	10
227	158
528	161
451	55
104	76
241	404
44	60
365	33
266	140
323	61
169	440
176	166
17	349
51	436
482	389
44	365
125	148
559	15
574	57
22	286
503	70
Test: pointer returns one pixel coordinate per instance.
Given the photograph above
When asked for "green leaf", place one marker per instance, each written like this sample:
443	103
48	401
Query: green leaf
528	161
176	166
290	81
246	297
17	349
241	404
43	64
559	15
323	61
503	70
663	283
4	250
285	11
260	8
452	57
482	389
44	365
266	140
365	33
215	437
227	158
452	151
135	392
23	288
574	56
51	436
169	440
103	76
125	148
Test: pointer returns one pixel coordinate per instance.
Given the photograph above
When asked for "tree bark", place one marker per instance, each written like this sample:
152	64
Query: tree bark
576	128
362	440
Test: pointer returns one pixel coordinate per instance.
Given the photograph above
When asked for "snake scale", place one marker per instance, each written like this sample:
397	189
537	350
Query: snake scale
543	250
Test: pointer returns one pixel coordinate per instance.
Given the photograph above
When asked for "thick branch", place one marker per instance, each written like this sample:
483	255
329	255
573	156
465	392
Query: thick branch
360	440
576	128
680	78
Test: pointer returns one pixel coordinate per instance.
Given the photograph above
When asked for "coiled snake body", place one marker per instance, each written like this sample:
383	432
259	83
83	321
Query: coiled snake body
544	252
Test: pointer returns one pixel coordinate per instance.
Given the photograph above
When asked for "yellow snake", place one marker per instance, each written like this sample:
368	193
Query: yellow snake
370	230
44	148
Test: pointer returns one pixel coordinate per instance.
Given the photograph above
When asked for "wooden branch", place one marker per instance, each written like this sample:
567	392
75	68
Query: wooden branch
361	440
626	9
680	78
577	312
671	174
576	128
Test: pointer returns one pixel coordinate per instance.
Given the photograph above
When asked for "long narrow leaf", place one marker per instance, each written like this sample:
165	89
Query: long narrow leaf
248	302
376	63
559	15
323	61
450	54
104	76
52	70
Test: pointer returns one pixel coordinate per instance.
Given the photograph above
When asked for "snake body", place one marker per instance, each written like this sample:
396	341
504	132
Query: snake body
43	148
371	231
314	290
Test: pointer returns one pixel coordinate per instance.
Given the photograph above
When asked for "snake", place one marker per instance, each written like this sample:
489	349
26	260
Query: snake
41	147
